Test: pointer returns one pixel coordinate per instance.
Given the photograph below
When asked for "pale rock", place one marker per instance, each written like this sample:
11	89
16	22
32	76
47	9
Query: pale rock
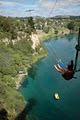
35	40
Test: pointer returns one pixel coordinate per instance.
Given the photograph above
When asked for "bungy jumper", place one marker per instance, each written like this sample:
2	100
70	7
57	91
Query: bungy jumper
68	73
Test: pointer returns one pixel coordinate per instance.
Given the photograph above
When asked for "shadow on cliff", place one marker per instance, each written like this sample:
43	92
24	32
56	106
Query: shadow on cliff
3	114
27	109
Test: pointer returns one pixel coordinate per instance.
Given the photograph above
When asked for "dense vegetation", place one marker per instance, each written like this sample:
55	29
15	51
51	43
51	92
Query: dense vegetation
17	54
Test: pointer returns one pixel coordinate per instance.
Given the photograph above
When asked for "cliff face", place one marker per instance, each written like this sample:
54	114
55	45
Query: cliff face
35	40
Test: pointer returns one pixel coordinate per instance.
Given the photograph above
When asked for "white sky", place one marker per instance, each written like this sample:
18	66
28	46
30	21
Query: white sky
17	8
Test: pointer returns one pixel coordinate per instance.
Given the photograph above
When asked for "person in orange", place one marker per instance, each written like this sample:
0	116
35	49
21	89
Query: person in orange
66	73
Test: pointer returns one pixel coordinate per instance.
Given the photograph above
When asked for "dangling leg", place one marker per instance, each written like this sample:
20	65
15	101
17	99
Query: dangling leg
61	63
60	67
59	70
56	68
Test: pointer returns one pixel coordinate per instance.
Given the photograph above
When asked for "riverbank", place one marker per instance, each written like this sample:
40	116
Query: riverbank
45	36
21	77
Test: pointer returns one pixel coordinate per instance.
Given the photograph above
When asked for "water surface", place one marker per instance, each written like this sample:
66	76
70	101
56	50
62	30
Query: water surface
43	81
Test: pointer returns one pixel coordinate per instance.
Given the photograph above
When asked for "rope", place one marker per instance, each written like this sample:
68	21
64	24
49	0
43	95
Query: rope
52	54
55	55
53	8
54	51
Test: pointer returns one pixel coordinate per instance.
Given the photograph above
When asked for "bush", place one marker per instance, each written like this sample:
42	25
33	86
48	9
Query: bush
70	26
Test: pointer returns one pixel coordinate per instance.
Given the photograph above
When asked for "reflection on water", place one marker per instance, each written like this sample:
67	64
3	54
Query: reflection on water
25	83
69	37
32	117
24	114
32	71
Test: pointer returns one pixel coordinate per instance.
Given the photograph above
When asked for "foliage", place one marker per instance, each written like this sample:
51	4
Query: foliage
14	102
46	29
71	25
24	46
5	25
31	23
56	32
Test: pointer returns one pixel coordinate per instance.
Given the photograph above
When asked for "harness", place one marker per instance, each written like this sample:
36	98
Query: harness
68	74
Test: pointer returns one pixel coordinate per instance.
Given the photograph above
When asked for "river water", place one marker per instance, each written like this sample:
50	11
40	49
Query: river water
43	81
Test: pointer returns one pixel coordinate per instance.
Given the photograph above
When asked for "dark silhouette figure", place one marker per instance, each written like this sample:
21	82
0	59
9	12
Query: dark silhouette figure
66	73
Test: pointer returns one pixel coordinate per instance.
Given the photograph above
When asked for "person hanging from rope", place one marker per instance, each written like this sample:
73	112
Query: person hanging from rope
66	73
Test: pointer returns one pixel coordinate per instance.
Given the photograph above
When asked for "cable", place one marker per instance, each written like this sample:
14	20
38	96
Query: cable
53	8
54	51
48	42
55	55
52	54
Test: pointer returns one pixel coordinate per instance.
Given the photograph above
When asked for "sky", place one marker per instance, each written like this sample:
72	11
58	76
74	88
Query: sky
44	8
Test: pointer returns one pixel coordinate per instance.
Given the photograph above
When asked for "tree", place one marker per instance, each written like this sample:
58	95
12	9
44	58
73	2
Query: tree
46	29
31	24
7	79
13	32
9	70
70	26
6	25
56	32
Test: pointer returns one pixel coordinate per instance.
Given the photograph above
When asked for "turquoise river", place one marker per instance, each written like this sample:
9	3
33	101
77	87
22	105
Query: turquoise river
43	81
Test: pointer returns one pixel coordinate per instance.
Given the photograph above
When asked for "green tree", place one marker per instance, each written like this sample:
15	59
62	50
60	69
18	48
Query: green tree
6	24
70	25
56	32
7	79
9	70
46	29
31	24
13	32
